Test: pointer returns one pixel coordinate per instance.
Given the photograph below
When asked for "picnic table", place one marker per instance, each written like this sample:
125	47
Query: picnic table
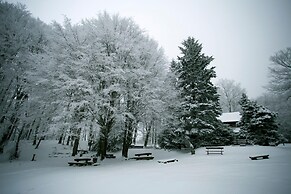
214	150
81	162
143	156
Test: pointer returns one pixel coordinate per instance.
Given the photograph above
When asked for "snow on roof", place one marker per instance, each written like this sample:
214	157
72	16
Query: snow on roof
230	117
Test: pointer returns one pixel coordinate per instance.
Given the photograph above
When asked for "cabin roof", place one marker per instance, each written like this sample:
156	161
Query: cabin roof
230	117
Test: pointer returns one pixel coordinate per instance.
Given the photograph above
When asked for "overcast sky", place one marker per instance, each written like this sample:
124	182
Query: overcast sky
240	34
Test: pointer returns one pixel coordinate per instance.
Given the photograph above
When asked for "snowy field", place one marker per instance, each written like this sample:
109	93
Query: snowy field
231	173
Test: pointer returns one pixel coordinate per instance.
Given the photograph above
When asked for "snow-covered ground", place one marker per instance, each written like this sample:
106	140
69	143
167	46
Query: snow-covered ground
231	173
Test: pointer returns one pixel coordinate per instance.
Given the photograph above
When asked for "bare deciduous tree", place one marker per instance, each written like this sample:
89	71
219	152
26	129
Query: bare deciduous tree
230	93
280	73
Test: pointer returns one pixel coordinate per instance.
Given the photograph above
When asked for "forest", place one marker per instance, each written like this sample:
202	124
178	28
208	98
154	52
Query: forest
105	81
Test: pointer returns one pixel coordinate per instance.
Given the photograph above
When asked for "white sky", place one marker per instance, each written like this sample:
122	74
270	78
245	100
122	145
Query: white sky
240	34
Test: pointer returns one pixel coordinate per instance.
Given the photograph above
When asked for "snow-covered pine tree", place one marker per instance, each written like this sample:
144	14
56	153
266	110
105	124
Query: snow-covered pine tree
258	123
200	101
247	107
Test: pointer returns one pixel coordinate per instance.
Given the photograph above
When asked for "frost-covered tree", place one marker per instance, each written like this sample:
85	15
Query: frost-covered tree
200	101
171	137
151	101
280	72
229	95
258	124
20	37
118	66
73	80
95	80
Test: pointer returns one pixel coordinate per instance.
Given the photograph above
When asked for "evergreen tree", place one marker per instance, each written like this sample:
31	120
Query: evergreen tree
258	123
200	101
247	113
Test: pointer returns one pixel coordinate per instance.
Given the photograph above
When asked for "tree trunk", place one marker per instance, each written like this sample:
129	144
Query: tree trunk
229	106
135	136
91	137
75	140
68	140
12	128
154	136
16	152
64	138
60	139
127	138
124	145
103	148
3	141
38	143
34	140
146	140
36	132
30	131
33	157
75	147
103	141
106	122
28	134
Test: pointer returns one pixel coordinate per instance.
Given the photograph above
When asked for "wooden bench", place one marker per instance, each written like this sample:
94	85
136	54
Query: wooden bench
214	150
167	161
261	157
110	156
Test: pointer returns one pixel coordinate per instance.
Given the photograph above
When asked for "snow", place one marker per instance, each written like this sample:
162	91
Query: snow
230	117
230	173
